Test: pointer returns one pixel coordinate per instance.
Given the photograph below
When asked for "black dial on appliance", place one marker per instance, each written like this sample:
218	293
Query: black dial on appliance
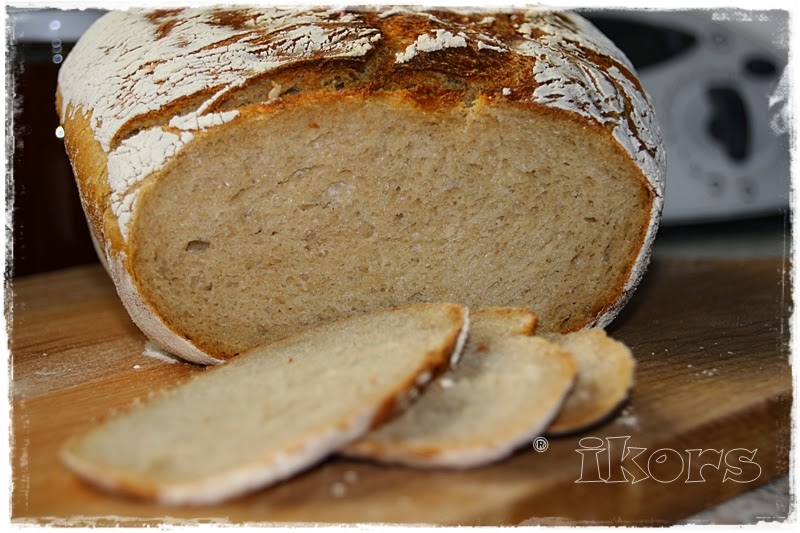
760	67
644	44
729	125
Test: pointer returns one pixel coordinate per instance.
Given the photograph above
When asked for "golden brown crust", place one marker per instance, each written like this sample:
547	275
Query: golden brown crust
437	363
605	376
89	165
484	65
515	320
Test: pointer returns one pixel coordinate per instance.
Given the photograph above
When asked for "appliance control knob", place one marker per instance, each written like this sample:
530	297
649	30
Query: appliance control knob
729	124
760	67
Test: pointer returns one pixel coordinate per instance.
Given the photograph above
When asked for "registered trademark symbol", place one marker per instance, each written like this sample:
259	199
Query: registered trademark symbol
540	444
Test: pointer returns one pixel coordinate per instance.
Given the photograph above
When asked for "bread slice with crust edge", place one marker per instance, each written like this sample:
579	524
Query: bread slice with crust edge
272	412
605	377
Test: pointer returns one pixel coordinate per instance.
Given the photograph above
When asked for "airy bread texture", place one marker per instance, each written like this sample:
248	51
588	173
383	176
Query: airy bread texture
506	390
273	411
605	375
249	173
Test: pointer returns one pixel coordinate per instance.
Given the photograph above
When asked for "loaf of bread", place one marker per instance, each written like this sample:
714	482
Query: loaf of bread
248	173
272	412
506	390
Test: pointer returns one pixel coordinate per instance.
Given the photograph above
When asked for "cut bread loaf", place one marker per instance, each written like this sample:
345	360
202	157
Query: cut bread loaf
273	411
605	376
251	172
506	390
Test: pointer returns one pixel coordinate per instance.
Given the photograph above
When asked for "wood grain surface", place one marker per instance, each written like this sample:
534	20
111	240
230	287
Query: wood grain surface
713	372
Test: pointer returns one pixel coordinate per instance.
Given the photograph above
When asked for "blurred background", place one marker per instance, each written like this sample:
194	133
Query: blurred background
717	79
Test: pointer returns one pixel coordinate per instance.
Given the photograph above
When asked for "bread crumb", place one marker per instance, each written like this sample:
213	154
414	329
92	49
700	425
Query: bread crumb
446	382
274	93
338	490
628	418
506	91
628	421
137	367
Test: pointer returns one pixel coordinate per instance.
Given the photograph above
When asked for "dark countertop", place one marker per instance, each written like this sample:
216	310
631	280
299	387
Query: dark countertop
760	237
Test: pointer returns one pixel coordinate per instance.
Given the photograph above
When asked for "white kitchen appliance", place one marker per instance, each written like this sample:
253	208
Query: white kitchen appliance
712	75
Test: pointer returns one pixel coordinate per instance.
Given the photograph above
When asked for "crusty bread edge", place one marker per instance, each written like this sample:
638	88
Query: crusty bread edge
461	341
89	163
638	266
602	412
144	316
530	327
411	390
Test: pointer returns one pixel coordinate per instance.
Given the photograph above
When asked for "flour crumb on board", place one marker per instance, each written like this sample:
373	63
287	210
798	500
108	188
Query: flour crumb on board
628	418
351	476
137	367
338	490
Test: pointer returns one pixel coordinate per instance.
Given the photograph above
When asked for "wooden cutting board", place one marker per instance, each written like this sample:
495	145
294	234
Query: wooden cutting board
710	338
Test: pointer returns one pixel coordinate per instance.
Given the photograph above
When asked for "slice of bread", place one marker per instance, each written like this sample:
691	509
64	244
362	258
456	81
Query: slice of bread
273	411
605	375
506	390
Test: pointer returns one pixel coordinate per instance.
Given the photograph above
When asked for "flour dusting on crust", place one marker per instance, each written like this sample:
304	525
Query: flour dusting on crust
425	43
145	61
